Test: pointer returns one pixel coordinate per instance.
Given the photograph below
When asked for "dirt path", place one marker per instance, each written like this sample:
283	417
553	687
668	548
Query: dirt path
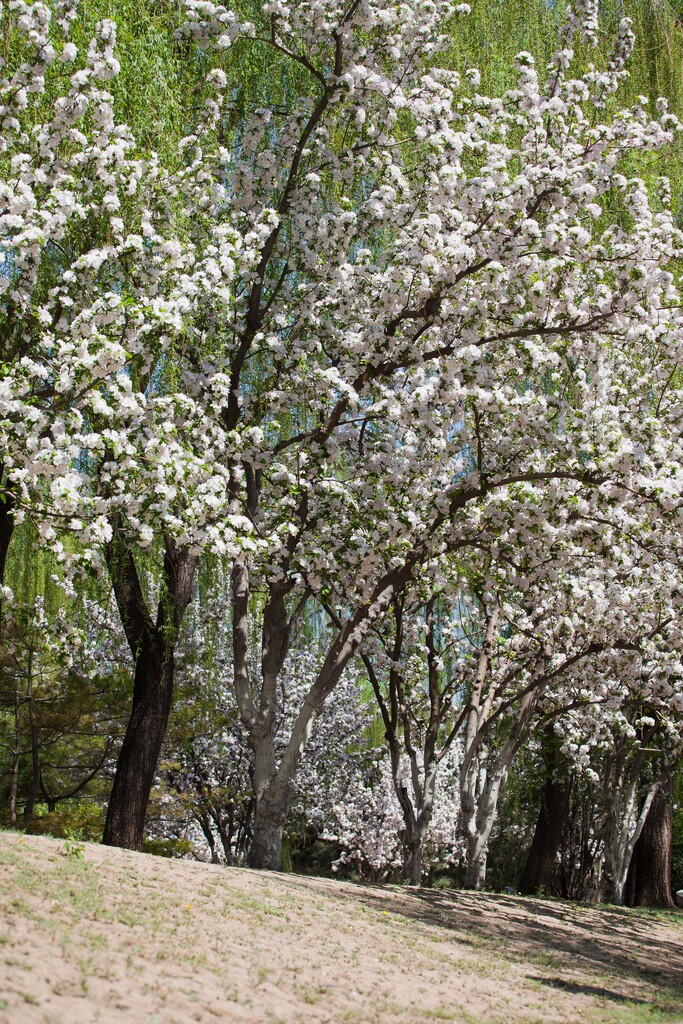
89	934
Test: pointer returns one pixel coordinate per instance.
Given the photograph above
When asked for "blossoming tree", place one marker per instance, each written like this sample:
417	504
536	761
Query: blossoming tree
456	317
320	350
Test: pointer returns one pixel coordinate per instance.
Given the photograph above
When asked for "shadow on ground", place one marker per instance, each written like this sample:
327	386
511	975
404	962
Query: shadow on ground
589	990
583	942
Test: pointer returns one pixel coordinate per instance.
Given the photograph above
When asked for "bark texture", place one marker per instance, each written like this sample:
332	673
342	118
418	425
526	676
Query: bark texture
152	645
270	816
6	531
139	755
624	820
540	867
652	886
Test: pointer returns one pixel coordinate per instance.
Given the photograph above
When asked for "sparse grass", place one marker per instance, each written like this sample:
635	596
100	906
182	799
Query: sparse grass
184	941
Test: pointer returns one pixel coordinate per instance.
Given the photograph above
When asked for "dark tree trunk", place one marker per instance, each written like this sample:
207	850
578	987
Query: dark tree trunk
35	746
205	825
541	862
652	874
412	860
29	806
152	646
6	526
270	817
16	760
6	531
139	756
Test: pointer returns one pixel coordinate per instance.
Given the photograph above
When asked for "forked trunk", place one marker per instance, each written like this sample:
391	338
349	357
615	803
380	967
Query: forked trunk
479	803
416	825
623	827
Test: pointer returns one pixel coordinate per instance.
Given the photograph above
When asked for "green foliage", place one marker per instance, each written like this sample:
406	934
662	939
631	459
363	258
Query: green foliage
514	828
497	30
61	709
76	821
168	847
73	849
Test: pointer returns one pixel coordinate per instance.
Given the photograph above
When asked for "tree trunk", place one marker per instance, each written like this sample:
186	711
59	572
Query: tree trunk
616	861
477	855
614	889
139	756
35	746
412	859
270	816
152	645
540	865
412	833
16	758
205	825
416	824
621	835
6	529
29	806
652	886
480	809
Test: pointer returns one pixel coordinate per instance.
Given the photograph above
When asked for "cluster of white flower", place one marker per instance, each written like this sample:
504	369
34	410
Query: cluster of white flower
334	389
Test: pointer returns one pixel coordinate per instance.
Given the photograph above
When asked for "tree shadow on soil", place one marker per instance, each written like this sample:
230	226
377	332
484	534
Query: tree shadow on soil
588	940
589	990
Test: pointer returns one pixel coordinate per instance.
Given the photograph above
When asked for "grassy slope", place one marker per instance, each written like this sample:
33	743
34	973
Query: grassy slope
91	934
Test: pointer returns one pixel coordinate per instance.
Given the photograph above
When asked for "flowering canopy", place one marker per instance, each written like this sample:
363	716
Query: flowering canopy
345	341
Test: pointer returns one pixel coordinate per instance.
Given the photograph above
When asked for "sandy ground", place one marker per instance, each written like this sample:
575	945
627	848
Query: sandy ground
89	934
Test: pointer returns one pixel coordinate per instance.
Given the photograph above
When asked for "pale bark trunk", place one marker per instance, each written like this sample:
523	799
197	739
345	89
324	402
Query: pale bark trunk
480	789
473	772
480	818
416	802
477	856
621	835
273	782
271	805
